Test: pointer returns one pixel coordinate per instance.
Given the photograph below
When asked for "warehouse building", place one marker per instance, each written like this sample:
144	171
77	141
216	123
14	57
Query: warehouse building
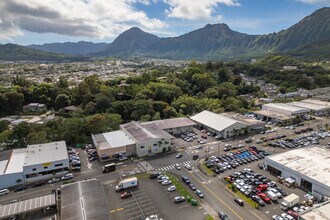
281	113
286	109
316	107
223	126
317	212
38	162
140	138
309	167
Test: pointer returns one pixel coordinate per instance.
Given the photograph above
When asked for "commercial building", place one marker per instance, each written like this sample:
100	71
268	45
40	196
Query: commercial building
140	138
84	200
317	212
222	125
309	167
35	163
113	144
280	112
148	139
286	109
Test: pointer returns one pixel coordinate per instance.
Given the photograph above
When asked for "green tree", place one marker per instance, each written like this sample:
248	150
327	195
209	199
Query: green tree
62	101
4	125
14	102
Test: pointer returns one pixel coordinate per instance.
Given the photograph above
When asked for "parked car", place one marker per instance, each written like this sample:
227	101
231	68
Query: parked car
67	176
179	199
239	201
166	182
125	195
195	157
171	188
154	175
54	180
20	188
177	166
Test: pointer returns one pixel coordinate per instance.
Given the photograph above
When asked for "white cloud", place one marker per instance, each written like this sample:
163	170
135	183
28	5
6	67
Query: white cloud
195	9
314	1
84	18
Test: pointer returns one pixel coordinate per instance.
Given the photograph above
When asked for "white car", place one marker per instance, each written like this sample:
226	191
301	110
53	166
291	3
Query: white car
177	166
187	166
166	182
171	188
67	176
277	193
54	180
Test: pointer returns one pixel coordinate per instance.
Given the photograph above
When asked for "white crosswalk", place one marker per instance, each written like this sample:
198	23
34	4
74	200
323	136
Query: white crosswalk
170	167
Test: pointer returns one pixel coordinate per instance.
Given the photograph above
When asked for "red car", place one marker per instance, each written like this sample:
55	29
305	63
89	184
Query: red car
293	214
125	195
262	187
264	197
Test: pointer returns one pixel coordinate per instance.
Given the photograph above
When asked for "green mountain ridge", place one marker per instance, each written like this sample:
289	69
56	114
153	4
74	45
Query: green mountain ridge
14	52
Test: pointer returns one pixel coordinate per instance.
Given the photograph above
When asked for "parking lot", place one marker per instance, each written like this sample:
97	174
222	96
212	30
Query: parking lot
150	198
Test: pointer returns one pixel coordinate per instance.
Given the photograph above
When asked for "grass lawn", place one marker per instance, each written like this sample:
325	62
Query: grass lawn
245	198
141	175
207	170
179	187
208	217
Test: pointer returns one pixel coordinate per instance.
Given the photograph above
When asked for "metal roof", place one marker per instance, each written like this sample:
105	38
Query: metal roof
84	200
284	106
316	102
215	121
313	162
113	139
25	206
317	212
170	123
143	133
272	114
311	106
43	153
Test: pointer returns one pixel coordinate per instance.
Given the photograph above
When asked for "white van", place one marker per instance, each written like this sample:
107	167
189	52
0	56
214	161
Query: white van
4	192
271	195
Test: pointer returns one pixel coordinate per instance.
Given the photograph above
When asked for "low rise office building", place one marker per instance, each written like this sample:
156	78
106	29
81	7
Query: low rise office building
140	138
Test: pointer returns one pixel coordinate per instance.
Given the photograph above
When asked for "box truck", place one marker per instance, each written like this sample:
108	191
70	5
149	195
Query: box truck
289	201
109	168
127	184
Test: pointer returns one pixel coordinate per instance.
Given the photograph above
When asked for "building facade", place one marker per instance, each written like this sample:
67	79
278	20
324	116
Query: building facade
35	163
302	165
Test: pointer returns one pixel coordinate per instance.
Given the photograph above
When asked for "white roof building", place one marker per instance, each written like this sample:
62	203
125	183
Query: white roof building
217	123
285	108
310	164
44	153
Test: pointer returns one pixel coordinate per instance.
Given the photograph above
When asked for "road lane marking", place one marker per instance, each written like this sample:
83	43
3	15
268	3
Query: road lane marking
218	198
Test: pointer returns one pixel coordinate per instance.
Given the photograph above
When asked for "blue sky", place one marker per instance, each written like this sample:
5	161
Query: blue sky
36	22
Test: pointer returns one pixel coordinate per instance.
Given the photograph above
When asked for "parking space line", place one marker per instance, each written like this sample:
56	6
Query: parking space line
136	209
184	206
